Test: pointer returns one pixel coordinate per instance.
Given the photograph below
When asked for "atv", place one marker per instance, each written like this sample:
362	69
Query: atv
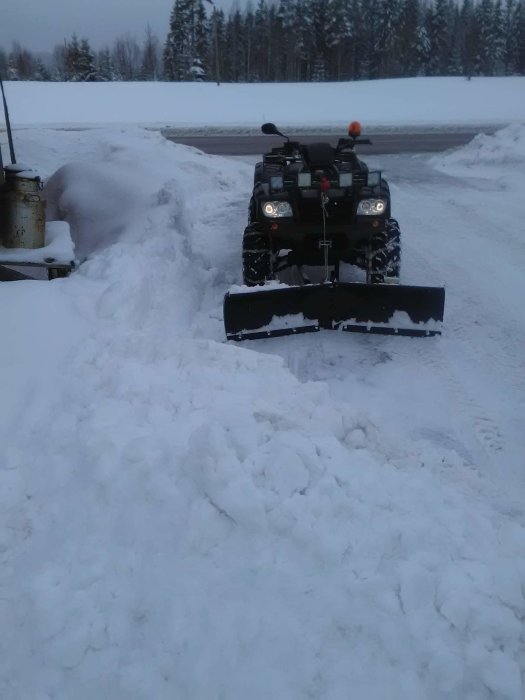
316	206
287	227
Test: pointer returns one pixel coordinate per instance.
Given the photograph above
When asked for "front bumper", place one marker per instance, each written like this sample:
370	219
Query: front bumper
287	233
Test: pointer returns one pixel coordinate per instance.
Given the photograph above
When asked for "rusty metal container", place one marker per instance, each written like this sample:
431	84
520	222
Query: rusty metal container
22	209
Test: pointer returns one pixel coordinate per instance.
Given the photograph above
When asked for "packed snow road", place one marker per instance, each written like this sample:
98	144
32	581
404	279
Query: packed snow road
324	516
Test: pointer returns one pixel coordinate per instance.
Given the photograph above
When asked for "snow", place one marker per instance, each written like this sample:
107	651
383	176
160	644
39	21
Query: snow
478	158
58	246
390	104
398	320
326	515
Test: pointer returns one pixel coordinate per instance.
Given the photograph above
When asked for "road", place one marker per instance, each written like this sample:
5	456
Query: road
253	144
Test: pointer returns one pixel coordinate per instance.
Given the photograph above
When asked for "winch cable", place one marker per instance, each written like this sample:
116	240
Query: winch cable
325	244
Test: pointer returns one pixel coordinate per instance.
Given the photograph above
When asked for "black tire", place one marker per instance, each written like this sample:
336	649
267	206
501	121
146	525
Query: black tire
252	211
257	258
385	254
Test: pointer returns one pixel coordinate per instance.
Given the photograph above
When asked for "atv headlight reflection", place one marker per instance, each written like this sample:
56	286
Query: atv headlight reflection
371	207
277	209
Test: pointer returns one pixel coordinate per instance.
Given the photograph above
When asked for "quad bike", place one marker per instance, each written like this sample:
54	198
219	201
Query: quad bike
316	206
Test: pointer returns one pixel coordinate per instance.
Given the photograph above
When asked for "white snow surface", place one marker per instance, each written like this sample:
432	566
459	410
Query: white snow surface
58	245
397	103
320	516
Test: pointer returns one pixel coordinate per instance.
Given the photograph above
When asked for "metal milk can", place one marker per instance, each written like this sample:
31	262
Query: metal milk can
22	209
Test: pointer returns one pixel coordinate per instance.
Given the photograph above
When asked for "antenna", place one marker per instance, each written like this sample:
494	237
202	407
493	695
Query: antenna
8	125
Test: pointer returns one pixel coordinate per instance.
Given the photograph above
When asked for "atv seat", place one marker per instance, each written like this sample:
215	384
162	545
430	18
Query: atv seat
319	155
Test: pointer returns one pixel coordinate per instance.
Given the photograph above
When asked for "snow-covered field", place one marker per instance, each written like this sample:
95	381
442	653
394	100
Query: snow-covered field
326	516
380	104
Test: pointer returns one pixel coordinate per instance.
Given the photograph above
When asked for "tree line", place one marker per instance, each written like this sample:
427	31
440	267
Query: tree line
299	40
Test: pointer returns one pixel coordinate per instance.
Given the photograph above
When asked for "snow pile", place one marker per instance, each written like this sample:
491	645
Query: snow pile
505	147
399	103
186	518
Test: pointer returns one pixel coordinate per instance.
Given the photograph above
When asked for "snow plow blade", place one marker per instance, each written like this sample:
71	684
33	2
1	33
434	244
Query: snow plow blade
366	308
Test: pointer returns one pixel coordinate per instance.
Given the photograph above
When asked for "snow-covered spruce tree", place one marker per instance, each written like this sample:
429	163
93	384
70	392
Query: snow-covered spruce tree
520	31
317	13
266	43
511	39
340	32
387	27
41	71
354	57
249	34
105	65
234	60
407	37
86	70
71	54
423	46
202	32
182	50
439	28
468	38
454	61
216	46
261	41
498	39
289	39
515	37
484	56
371	49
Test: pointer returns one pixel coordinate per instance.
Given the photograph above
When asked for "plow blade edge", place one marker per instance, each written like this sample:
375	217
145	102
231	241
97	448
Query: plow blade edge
367	308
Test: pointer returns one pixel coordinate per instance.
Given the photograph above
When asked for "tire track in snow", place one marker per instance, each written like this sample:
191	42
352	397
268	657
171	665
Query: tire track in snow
478	360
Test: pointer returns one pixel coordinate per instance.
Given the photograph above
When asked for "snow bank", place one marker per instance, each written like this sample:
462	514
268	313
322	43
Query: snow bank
184	518
505	147
414	102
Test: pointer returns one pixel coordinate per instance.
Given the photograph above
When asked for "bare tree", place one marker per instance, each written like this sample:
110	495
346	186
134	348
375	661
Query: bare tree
59	62
21	63
150	56
126	57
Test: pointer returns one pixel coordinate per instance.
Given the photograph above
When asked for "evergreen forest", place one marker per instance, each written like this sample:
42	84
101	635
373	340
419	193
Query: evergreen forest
297	40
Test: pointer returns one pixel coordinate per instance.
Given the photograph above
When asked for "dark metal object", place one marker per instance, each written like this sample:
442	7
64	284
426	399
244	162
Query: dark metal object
54	269
8	275
369	308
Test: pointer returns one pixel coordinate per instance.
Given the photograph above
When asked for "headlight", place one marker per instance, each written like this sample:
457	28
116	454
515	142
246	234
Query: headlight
276	209
371	207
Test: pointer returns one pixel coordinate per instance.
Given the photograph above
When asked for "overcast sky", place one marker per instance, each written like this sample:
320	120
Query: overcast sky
40	24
